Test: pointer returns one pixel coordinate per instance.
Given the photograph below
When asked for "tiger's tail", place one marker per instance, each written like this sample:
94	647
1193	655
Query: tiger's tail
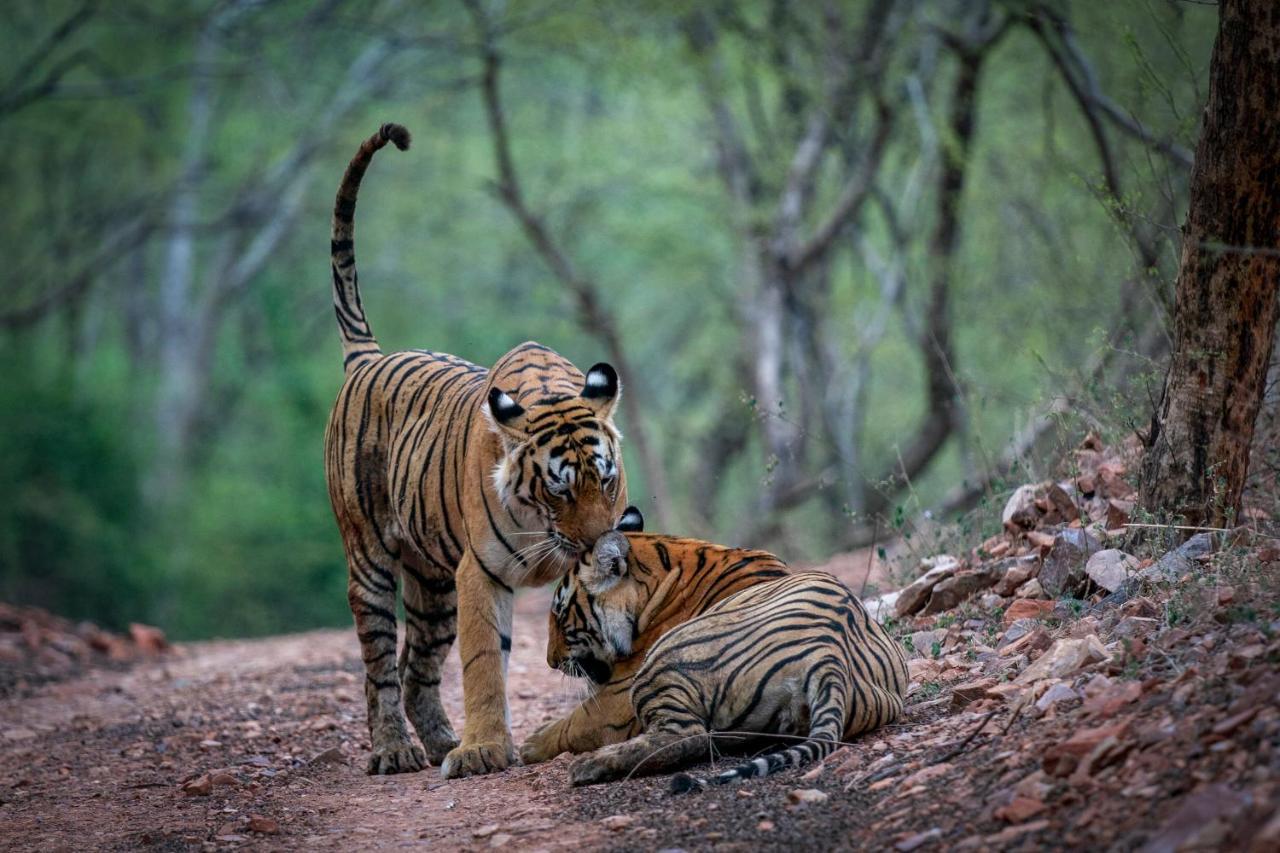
824	736
358	343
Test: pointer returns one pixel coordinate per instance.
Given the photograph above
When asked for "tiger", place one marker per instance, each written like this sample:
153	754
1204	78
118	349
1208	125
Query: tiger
601	628
463	483
796	655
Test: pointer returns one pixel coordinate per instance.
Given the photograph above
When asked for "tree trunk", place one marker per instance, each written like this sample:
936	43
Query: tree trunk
1226	301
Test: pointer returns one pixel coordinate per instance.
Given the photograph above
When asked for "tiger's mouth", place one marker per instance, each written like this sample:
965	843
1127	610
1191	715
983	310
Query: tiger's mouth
589	665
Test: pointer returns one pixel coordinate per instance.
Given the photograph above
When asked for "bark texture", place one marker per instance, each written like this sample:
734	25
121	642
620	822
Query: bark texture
1226	301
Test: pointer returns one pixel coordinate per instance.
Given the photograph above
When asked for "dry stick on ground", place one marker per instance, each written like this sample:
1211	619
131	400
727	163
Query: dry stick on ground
593	317
965	743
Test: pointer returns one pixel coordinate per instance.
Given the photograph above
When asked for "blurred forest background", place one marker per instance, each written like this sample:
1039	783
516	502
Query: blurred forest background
858	262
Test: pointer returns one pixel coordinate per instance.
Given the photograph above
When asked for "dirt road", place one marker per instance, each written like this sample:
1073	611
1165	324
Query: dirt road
269	737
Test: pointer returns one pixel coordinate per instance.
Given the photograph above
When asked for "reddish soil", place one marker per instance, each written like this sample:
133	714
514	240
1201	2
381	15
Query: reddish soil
277	725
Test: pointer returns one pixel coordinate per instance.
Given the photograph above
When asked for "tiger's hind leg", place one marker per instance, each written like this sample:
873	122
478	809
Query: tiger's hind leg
371	591
656	751
431	620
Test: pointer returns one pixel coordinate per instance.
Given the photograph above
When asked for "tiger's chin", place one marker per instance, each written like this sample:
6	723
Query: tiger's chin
596	670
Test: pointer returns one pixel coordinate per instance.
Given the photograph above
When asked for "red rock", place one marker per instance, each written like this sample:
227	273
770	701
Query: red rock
1235	721
201	786
1118	513
1043	541
264	825
1106	702
148	639
966	694
1027	608
1019	810
1062	759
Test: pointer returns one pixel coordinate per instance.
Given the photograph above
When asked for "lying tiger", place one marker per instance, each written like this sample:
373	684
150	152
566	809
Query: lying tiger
795	654
613	605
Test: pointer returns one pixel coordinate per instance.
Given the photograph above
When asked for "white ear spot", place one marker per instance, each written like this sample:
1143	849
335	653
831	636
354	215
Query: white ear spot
598	380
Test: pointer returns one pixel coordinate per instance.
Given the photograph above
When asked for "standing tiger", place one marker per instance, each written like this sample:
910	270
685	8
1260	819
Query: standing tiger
464	483
613	605
795	655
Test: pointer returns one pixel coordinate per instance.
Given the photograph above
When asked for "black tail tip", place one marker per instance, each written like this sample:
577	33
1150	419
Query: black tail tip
396	134
683	783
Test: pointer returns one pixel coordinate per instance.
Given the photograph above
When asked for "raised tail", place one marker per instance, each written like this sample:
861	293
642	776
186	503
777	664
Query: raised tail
358	343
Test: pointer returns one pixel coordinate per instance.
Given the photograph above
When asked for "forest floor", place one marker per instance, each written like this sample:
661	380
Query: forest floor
1150	723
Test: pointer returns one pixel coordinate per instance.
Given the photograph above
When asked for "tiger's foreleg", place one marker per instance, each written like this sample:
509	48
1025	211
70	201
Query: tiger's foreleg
371	592
603	718
484	641
431	620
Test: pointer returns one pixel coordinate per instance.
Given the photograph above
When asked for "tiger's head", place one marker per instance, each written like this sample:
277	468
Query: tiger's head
596	605
561	466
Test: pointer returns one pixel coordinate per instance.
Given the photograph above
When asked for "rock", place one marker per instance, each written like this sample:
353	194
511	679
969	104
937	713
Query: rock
1030	589
487	830
1036	639
881	607
222	777
263	825
916	594
1020	510
1110	568
922	642
148	639
765	826
917	840
1110	481
617	822
1061	759
502	839
1118	513
966	694
1062	506
1134	627
1201	820
332	755
1021	570
950	592
1103	697
991	601
806	796
1063	569
1180	560
1042	540
1064	658
201	786
1057	692
1019	809
1026	608
1016	630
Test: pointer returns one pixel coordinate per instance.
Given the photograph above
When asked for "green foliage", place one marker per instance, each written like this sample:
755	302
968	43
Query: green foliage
613	143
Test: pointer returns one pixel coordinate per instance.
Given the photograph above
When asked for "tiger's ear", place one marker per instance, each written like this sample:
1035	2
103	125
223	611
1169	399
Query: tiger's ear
632	521
601	390
609	562
505	415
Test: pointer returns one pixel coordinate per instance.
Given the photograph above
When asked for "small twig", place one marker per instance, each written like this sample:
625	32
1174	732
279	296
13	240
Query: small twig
871	555
964	743
1181	527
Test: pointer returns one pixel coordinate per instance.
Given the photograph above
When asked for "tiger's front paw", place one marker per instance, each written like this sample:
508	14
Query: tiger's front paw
396	758
477	759
590	770
542	745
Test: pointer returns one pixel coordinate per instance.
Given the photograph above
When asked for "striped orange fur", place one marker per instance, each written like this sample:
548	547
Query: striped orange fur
462	483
